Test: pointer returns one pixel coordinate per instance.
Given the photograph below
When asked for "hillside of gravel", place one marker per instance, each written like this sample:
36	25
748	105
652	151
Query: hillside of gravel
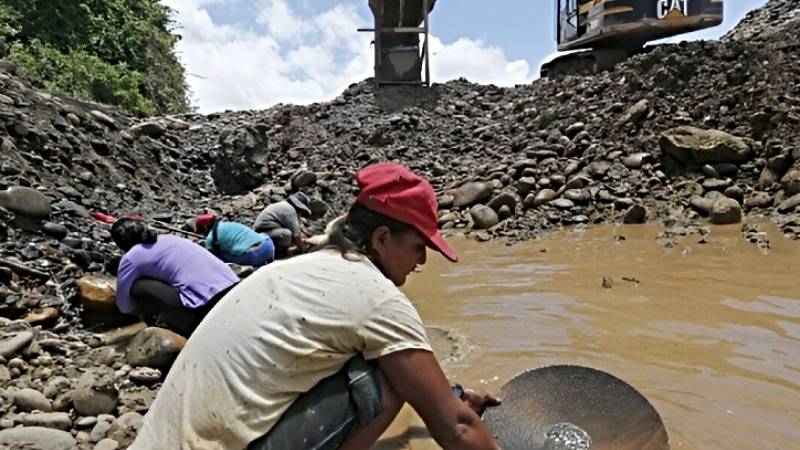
688	135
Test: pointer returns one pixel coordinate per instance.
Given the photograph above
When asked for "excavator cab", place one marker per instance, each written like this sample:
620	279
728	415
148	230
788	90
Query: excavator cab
614	29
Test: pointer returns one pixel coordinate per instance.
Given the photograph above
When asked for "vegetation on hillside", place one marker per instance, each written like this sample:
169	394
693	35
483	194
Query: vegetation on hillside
119	52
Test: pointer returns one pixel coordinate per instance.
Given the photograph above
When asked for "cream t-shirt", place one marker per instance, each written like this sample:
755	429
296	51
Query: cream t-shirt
271	338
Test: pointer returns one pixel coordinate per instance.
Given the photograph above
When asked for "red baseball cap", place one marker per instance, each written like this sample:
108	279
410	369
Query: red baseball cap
203	222
400	194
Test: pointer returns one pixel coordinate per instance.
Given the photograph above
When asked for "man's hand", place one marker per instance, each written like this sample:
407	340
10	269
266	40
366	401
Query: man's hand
478	400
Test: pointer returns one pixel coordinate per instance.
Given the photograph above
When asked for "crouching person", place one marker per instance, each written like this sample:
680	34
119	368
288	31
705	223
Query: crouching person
321	350
167	279
234	242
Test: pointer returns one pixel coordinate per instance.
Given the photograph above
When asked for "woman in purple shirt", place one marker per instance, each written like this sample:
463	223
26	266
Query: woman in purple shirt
166	277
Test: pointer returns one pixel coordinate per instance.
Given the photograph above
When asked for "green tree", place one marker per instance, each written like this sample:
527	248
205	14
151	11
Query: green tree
114	51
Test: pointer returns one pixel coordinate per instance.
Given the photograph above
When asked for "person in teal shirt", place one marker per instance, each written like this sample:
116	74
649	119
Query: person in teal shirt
234	242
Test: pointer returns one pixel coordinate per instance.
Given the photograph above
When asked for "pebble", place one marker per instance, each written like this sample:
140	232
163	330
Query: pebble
31	400
37	438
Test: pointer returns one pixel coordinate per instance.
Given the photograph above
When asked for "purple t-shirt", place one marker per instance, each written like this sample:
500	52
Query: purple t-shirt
196	273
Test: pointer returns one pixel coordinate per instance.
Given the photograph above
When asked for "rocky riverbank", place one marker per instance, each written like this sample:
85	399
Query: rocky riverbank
682	134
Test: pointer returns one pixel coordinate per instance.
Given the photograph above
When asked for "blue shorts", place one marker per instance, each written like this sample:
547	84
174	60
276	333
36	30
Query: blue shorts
264	254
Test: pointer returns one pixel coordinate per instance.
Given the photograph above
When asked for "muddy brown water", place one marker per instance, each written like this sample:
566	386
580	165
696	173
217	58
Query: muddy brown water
709	333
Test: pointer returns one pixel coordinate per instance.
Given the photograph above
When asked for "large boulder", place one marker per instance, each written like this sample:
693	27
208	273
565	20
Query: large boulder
725	211
696	146
96	393
242	159
98	294
483	217
471	193
13	343
37	438
26	202
154	347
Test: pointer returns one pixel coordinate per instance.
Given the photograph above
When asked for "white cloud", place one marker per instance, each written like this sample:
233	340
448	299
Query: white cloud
285	57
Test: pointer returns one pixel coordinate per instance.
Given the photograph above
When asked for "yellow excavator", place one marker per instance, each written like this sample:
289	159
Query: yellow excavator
612	29
615	29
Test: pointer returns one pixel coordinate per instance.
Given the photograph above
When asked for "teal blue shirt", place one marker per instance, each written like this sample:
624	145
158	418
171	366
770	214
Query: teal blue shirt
234	238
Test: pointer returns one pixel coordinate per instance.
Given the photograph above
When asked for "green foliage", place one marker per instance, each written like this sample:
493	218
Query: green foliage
113	51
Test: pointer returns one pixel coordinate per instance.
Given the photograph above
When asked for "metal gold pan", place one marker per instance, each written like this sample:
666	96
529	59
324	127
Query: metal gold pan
613	413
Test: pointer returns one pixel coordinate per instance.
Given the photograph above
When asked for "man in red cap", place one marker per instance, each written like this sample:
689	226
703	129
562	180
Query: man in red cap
320	351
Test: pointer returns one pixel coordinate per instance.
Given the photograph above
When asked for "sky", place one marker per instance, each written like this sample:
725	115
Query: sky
252	54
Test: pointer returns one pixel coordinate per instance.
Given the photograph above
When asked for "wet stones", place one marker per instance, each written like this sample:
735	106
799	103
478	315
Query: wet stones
154	347
98	293
791	181
695	146
37	438
725	211
483	217
26	202
759	199
152	128
542	197
55	230
145	375
503	199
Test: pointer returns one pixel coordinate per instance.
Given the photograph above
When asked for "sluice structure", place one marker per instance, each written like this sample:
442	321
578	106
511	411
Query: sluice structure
400	55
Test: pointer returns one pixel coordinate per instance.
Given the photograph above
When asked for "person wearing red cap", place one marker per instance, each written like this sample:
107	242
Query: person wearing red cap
322	349
235	242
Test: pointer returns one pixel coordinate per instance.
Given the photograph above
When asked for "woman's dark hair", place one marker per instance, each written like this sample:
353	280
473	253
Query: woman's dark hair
128	232
353	234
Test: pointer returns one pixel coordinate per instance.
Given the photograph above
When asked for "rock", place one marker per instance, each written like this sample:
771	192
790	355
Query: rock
635	113
96	393
445	201
759	199
503	199
736	193
544	196
574	129
635	161
303	178
713	184
789	204
26	202
98	293
483	217
634	215
152	128
14	343
36	438
103	118
56	386
42	316
154	347
55	230
768	178
526	185
696	146
55	420
100	429
31	400
122	334
145	375
563	203
725	211
471	193
791	181
125	428
107	444
578	195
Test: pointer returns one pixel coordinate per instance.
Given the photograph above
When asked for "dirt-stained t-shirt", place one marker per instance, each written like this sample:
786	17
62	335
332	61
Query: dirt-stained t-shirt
273	337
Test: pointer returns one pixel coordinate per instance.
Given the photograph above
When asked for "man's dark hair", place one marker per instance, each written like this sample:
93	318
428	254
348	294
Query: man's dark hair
128	232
